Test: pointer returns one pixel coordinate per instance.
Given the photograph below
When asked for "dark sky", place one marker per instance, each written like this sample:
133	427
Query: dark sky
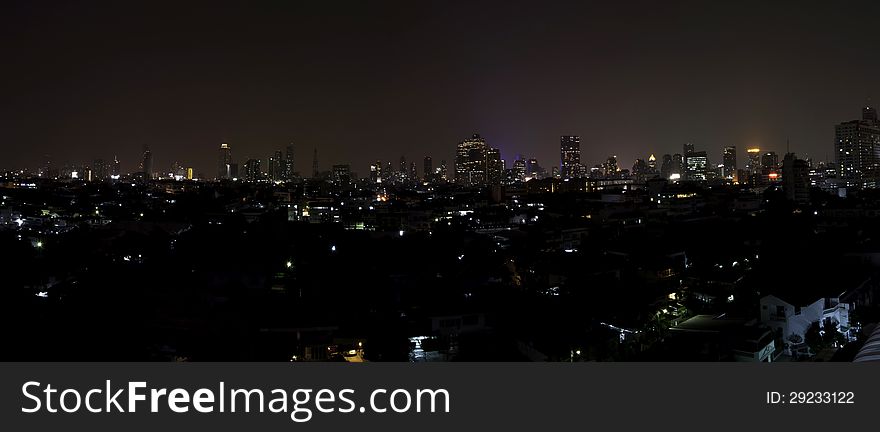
374	80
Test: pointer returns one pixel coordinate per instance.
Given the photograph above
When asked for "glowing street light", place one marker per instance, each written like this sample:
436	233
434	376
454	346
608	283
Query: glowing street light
289	264
39	244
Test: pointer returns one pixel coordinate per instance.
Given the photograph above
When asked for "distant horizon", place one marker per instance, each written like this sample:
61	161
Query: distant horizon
376	80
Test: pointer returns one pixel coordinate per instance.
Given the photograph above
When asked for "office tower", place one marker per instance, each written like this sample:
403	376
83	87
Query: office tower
729	163
857	150
100	170
610	167
444	171
252	171
570	156
795	179
178	172
402	171
376	172
427	168
189	173
288	163
315	164
115	170
224	162
666	166
342	175
470	161
697	163
494	167
275	166
652	164
519	169
147	163
413	174
688	149
677	171
555	172
769	161
640	170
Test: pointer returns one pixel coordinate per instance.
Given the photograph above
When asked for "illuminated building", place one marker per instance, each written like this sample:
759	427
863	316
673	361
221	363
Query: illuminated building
252	171
857	150
224	163
753	162
519	169
696	166
288	163
470	161
570	156
729	163
342	175
427	168
494	167
189	173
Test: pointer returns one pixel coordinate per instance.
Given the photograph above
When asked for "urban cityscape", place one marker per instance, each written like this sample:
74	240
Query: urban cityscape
389	182
751	258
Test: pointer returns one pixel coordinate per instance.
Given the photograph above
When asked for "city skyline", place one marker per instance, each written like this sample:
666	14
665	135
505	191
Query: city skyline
629	80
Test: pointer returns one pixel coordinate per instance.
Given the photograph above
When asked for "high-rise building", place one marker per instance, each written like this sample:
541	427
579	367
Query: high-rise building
570	156
376	172
402	171
100	170
697	163
276	166
688	149
796	179
288	163
147	163
753	160
729	163
189	173
652	164
444	171
666	166
315	171
427	168
470	161
494	167
342	175
413	174
610	168
115	170
519	169
857	150
224	162
252	171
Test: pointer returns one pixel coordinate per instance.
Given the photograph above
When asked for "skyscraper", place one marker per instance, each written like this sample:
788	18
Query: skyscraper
494	167
569	155
427	168
276	166
519	169
795	179
252	171
115	170
288	163
696	165
147	163
857	150
729	163
224	162
470	161
688	149
315	171
342	175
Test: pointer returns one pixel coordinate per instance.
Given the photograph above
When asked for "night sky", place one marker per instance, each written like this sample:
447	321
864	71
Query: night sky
376	80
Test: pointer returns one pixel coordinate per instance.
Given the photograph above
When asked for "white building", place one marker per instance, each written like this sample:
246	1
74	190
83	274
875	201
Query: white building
793	320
